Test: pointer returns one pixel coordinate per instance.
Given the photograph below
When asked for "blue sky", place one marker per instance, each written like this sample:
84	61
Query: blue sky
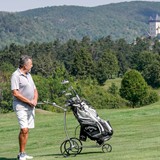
22	5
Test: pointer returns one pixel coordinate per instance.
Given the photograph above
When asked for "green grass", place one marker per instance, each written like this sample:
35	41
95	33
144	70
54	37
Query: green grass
116	81
136	135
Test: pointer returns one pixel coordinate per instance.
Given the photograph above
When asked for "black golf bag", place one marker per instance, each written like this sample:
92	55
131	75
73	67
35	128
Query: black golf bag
91	125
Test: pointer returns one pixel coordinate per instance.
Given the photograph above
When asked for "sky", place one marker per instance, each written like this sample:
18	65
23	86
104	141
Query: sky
22	5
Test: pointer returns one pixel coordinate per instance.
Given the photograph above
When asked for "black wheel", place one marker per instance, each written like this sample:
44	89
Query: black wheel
63	150
69	147
79	143
106	148
74	146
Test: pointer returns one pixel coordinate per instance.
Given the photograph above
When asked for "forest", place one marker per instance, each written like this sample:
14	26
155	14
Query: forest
87	64
126	20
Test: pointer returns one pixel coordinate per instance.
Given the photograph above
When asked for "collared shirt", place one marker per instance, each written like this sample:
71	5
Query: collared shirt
25	85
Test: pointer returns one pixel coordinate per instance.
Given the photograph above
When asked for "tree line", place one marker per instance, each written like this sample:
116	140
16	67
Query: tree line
86	61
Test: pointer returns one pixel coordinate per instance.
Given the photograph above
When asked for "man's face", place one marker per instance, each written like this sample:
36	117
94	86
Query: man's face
28	65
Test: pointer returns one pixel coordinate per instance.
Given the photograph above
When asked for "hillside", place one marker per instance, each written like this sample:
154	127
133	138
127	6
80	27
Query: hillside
120	20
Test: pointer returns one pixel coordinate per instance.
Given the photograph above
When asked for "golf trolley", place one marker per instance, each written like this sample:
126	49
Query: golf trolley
91	125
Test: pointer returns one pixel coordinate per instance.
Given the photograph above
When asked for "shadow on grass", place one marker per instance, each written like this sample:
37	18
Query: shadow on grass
3	158
49	155
72	155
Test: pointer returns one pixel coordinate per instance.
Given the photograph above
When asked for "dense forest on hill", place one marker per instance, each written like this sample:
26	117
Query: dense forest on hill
87	65
127	20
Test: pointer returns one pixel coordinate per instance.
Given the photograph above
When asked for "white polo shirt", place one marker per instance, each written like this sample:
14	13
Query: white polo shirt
26	86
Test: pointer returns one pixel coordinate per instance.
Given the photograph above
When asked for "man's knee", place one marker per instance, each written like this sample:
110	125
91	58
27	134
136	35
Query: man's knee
24	131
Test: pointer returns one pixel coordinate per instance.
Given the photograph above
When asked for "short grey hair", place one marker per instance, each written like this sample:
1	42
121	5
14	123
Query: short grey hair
23	60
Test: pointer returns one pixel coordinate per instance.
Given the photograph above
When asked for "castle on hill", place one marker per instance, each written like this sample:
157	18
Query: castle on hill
154	26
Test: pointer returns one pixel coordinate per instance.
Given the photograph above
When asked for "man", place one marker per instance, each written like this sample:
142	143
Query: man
25	96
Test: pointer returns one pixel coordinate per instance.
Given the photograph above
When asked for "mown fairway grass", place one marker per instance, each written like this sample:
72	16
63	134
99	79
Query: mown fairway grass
136	135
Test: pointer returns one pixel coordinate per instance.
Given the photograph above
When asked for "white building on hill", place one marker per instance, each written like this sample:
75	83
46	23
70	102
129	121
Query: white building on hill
154	26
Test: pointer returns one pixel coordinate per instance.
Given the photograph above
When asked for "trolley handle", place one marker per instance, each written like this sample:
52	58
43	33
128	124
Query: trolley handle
53	104
65	111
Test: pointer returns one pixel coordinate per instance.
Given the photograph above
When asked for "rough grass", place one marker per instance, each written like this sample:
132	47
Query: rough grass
116	81
136	135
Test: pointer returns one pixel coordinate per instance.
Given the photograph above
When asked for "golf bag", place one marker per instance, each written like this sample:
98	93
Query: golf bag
91	125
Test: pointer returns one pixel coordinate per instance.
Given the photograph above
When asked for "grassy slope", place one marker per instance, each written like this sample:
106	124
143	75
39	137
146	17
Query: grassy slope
136	135
116	81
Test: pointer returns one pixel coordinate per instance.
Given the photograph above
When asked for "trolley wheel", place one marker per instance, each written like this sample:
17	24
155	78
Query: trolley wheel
69	147
79	143
106	148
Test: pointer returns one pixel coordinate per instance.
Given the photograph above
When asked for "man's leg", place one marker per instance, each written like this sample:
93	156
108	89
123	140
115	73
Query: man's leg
23	137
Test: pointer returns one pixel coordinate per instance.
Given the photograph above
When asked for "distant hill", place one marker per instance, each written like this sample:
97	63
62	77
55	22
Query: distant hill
120	20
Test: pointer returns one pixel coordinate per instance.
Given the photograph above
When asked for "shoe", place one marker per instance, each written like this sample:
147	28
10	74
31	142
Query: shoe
23	156
28	157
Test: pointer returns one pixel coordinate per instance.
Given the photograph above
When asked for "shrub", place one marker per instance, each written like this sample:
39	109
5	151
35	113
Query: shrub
152	97
133	87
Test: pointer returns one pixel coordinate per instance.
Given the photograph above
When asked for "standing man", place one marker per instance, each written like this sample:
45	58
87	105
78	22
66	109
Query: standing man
25	96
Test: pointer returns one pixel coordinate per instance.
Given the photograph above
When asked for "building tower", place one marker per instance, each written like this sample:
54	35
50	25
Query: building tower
154	26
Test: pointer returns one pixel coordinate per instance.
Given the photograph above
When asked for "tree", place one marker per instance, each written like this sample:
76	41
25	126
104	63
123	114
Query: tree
156	46
141	45
133	87
83	64
5	92
113	89
151	73
106	67
122	50
143	59
44	64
